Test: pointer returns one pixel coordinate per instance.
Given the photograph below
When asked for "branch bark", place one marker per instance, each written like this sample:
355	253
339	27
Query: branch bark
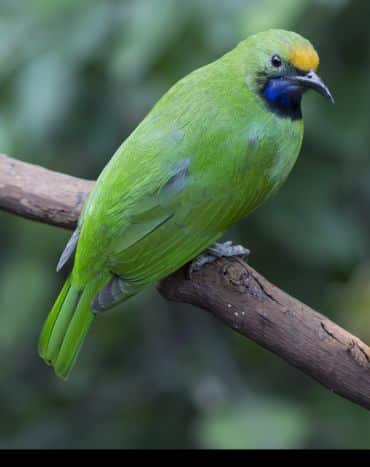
40	194
229	289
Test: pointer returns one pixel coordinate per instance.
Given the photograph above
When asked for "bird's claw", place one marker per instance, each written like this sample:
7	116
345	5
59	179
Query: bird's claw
218	250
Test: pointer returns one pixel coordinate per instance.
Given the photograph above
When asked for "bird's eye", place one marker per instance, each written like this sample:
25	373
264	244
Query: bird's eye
276	61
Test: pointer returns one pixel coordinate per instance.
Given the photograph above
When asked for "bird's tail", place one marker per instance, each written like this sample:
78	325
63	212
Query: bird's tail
66	326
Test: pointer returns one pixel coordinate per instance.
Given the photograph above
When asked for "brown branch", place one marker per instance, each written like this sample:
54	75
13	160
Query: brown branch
40	194
230	289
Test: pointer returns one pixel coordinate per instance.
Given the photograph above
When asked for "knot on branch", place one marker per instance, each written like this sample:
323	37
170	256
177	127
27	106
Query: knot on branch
359	354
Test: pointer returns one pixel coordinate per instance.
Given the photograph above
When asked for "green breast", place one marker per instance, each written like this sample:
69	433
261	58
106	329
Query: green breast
288	135
271	147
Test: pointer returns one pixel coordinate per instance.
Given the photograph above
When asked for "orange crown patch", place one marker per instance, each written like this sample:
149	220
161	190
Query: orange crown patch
304	58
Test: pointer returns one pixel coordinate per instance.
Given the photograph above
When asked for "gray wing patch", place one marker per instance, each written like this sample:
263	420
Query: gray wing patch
178	180
159	199
69	249
110	294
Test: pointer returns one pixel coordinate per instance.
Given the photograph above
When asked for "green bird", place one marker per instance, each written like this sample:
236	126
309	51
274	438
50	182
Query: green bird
211	150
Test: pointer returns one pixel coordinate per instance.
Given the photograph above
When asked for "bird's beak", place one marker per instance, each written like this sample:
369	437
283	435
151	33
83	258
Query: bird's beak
312	81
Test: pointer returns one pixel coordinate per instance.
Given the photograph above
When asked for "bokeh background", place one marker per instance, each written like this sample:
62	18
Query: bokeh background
76	77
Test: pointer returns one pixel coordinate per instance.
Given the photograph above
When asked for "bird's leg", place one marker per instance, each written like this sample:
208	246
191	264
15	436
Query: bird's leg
218	250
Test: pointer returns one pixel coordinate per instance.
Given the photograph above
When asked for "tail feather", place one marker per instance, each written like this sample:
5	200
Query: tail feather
75	334
61	324
48	327
66	326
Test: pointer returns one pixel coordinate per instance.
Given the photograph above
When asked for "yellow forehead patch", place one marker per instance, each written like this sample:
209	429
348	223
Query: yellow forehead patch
304	58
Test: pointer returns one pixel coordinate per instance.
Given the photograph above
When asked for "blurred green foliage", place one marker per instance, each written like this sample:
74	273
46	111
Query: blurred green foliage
75	79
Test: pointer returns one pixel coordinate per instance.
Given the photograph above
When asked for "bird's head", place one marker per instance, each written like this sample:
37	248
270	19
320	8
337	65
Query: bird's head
281	66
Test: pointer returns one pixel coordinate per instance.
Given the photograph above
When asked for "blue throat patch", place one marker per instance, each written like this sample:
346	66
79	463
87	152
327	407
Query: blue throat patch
283	97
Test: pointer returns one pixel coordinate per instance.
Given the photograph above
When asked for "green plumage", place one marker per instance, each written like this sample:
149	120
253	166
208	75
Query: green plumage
208	153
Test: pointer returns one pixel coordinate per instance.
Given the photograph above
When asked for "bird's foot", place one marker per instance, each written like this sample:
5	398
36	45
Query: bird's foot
216	251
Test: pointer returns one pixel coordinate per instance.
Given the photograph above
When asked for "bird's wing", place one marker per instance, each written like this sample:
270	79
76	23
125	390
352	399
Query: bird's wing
164	196
137	196
154	208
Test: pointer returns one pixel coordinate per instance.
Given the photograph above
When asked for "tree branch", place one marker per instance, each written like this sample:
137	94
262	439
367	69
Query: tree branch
40	194
230	289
